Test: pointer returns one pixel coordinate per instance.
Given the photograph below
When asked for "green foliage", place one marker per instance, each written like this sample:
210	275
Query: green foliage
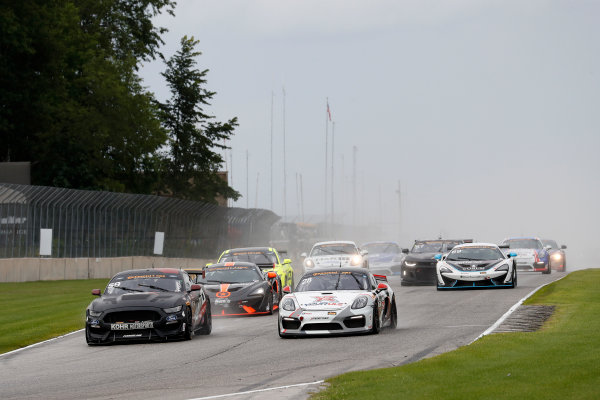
562	361
35	311
192	164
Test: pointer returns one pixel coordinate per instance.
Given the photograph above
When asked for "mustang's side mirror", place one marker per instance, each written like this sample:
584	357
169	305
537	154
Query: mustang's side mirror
382	286
364	252
287	290
195	286
271	274
287	261
438	257
96	292
405	251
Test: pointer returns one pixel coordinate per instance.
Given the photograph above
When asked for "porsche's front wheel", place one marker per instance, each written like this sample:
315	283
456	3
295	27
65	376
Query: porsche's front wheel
376	322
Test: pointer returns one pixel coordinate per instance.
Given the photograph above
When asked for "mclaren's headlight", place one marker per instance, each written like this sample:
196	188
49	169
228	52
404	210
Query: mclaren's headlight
288	304
360	302
445	269
258	292
503	267
309	263
410	264
356	260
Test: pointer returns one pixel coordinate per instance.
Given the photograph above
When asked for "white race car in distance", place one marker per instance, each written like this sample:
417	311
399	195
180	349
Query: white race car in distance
476	265
335	254
337	301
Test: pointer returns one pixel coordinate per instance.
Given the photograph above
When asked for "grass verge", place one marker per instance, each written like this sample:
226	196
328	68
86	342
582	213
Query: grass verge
561	361
31	312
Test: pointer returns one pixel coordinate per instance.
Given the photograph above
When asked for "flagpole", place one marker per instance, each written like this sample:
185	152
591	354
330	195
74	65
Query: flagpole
326	155
284	172
271	152
332	165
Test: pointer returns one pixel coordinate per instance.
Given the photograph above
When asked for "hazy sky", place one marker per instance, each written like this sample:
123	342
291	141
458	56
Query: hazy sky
487	112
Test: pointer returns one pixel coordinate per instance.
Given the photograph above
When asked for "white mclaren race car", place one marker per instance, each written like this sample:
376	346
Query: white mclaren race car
335	254
337	301
476	265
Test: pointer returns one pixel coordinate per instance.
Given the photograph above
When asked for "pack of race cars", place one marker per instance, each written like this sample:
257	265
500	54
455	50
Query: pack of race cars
342	291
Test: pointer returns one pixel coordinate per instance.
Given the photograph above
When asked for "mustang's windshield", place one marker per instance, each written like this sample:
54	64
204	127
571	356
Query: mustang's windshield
550	243
333	248
332	280
382	248
151	282
475	254
231	275
524	244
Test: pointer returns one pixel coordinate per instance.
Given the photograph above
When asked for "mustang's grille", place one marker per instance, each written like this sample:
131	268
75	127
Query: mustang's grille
331	326
133	315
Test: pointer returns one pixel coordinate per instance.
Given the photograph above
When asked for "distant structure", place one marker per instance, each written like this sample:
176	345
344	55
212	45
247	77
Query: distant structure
15	172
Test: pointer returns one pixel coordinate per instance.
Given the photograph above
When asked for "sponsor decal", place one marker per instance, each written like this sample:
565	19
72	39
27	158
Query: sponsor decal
145	276
125	326
224	291
331	313
325	301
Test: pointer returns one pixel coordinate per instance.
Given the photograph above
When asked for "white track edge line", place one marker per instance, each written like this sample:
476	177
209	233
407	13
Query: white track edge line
39	343
257	390
512	309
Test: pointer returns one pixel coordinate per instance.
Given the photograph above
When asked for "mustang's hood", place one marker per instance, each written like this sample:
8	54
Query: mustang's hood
336	260
236	290
327	300
474	265
150	299
420	256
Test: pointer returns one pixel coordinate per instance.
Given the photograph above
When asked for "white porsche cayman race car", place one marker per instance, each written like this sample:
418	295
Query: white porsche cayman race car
476	265
335	254
337	301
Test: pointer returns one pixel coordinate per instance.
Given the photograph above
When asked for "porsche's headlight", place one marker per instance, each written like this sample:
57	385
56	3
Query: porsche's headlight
288	304
355	260
410	264
93	313
172	309
258	292
360	302
502	268
309	263
556	256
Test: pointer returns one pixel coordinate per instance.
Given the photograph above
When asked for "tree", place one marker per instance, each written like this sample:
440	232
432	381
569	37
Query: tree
191	162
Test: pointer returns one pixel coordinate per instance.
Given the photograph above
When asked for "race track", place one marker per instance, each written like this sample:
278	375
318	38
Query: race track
245	354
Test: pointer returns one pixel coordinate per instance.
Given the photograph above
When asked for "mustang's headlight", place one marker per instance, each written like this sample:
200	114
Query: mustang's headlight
360	302
288	304
445	269
258	292
309	263
355	260
502	268
410	264
172	310
556	256
93	313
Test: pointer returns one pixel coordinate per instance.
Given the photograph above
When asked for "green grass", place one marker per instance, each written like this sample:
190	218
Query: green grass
31	312
561	361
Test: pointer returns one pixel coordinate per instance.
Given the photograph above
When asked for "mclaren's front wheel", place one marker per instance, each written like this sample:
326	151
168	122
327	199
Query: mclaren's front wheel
206	327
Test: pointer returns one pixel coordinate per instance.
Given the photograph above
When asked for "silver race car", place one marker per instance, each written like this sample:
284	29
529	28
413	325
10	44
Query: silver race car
337	301
476	265
335	254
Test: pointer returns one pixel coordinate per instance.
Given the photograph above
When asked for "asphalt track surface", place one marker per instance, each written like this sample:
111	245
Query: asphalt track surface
246	354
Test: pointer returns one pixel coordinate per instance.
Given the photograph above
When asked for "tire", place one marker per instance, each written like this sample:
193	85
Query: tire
187	333
206	327
548	269
514	279
87	337
270	304
394	314
376	322
437	287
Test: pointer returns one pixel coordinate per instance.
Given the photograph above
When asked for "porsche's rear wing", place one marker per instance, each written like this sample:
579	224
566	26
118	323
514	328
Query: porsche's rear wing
380	278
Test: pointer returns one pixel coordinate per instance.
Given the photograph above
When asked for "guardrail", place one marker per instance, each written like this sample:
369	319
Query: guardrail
95	224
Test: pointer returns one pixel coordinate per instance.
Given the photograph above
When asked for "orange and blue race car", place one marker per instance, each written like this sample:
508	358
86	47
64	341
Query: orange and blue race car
239	288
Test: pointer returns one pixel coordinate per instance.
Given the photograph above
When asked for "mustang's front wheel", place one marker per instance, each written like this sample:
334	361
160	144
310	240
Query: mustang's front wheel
187	330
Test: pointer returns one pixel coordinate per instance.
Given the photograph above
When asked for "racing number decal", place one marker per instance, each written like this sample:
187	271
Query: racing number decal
224	291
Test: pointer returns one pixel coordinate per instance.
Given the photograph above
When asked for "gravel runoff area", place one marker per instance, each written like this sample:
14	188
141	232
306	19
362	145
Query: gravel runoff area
526	319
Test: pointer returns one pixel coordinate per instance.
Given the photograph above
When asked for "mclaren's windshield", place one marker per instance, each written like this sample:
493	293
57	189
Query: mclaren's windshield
475	254
524	244
151	282
231	275
255	257
333	248
332	280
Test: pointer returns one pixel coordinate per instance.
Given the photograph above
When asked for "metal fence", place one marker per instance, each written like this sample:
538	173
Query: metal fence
104	224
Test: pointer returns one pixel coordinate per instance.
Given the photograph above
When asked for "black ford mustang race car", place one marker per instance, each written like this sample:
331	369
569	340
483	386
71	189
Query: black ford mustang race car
240	288
148	304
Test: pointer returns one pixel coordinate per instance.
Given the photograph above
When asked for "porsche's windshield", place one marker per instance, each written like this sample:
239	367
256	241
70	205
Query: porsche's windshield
382	248
333	248
550	243
230	275
524	244
151	282
332	280
475	254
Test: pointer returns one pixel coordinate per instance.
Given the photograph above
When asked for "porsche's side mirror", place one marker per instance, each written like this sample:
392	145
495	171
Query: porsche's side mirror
364	252
287	290
303	255
208	264
563	247
382	286
271	274
405	251
195	286
287	261
96	292
503	246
